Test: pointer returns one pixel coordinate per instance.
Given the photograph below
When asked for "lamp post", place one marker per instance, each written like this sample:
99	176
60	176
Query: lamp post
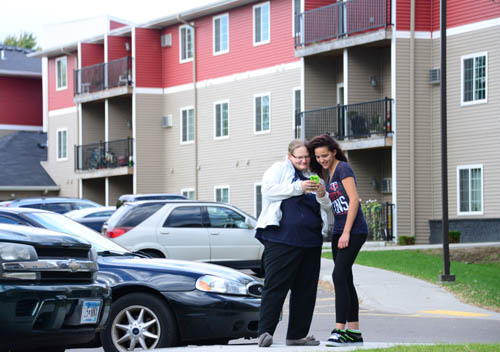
444	152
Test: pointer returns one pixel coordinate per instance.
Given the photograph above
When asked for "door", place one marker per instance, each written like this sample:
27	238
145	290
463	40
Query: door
183	236
231	238
342	119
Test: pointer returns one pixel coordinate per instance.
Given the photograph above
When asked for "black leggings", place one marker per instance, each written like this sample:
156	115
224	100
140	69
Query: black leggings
346	298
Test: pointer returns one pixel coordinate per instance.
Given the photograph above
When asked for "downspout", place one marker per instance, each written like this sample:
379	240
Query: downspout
412	119
195	93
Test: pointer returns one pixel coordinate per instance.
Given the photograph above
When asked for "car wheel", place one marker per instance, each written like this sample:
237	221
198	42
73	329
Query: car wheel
139	320
153	253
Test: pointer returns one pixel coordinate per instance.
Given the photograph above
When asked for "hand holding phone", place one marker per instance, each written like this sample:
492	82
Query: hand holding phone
314	178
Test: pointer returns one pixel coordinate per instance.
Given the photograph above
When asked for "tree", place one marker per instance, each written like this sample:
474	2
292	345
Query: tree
25	40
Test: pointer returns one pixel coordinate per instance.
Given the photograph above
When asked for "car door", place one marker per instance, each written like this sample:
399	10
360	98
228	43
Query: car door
182	234
231	238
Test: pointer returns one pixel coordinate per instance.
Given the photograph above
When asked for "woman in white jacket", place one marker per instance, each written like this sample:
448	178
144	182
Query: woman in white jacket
295	216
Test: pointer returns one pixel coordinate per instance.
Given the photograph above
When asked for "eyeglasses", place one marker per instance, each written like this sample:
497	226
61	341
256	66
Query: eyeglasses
301	157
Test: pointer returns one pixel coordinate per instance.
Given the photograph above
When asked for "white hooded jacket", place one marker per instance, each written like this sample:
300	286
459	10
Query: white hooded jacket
277	186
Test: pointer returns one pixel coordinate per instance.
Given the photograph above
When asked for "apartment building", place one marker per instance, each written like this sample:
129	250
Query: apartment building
202	102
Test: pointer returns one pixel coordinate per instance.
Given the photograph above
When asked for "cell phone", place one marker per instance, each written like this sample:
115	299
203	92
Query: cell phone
314	178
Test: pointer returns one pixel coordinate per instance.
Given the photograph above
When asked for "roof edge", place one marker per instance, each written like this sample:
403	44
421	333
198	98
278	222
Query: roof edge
30	188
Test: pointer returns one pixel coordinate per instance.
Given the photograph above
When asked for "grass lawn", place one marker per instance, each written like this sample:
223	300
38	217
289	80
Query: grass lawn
477	284
440	348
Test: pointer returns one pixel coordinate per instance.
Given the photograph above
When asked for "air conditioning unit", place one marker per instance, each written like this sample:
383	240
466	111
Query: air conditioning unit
387	185
435	76
166	121
166	40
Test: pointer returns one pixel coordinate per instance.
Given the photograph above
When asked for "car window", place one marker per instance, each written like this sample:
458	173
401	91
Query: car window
33	206
60	208
133	216
100	213
221	217
184	217
7	220
82	205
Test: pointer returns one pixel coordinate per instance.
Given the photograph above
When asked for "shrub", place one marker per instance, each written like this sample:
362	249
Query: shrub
454	236
406	240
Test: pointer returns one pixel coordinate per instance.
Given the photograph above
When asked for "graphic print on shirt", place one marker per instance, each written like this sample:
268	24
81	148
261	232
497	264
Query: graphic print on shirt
340	205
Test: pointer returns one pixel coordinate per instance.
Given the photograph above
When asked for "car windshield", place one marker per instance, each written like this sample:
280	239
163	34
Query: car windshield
63	224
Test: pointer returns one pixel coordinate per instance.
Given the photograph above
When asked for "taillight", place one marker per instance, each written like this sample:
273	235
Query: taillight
117	231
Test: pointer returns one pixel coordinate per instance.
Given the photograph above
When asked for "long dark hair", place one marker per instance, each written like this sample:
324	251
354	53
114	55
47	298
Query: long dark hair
324	141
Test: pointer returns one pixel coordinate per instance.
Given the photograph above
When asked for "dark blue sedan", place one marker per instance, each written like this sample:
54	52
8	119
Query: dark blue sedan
161	302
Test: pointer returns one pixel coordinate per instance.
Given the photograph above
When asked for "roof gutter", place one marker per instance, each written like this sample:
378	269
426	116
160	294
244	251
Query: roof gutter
30	188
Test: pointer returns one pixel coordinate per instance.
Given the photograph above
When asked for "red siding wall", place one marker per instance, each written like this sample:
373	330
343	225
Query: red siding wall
242	56
21	101
63	98
314	4
116	47
148	58
92	54
115	25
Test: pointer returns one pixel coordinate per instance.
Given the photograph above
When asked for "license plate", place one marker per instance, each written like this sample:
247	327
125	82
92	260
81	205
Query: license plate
90	312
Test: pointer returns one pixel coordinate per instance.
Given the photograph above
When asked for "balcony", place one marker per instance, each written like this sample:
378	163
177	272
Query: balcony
358	126
104	159
342	24
103	80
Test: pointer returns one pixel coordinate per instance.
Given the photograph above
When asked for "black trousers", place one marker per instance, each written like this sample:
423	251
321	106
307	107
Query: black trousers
346	298
294	269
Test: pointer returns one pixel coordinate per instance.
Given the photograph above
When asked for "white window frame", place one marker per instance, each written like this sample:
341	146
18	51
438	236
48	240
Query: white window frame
473	102
185	192
294	125
215	18
261	42
63	157
215	119
255	185
222	187
255	113
301	9
181	124
190	29
469	167
65	60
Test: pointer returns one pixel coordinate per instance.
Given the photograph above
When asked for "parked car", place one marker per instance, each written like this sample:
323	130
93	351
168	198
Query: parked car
148	196
59	205
191	230
49	297
91	217
161	302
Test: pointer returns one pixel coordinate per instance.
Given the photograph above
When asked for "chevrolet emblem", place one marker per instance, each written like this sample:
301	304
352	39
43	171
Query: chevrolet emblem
73	265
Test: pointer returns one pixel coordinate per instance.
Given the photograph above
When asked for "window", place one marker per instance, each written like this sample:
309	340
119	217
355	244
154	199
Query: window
187	125
61	73
262	113
221	119
222	194
184	217
188	193
474	79
297	9
186	44
7	220
297	106
62	144
225	218
258	199
221	34
470	189
261	24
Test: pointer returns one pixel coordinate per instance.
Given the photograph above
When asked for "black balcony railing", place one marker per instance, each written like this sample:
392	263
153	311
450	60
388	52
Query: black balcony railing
341	19
103	76
347	121
104	155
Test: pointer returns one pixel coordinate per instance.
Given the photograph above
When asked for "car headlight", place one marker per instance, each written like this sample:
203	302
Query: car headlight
209	283
17	252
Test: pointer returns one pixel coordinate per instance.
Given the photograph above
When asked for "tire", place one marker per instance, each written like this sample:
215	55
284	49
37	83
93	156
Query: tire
157	321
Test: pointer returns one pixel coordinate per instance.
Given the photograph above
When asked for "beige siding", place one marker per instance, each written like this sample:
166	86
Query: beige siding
473	131
150	144
119	185
63	171
94	190
321	76
240	160
120	118
93	123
